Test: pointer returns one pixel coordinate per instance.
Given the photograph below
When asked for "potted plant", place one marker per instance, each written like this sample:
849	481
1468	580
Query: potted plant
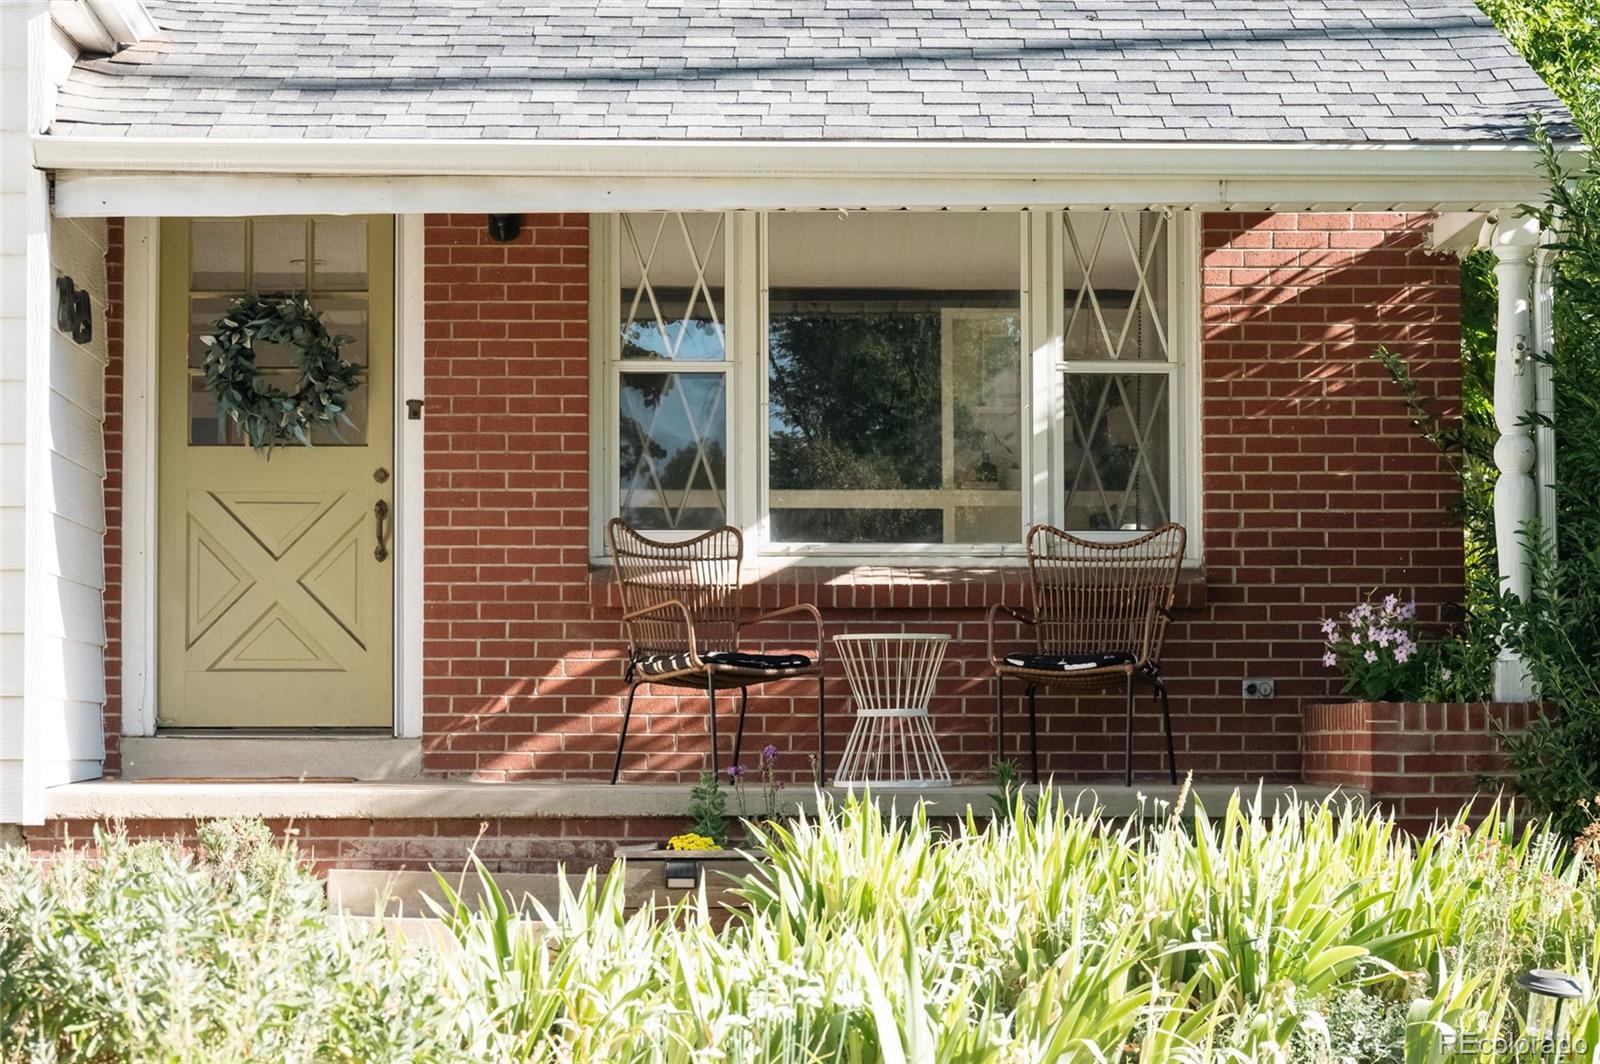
680	863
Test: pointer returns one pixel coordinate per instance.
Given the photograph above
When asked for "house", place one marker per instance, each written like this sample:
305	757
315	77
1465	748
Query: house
883	285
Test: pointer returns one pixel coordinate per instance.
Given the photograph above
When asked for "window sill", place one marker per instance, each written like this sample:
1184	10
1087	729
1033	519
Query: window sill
891	587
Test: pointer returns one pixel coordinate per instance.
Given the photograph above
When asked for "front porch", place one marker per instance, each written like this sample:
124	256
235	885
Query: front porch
524	827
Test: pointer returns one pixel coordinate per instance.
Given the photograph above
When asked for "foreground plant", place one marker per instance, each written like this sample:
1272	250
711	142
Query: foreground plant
1306	933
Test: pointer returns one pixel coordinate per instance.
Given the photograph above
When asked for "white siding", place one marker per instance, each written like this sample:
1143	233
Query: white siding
69	622
15	180
52	468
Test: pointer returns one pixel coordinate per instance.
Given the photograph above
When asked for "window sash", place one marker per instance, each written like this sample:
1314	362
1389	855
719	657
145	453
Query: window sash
1042	428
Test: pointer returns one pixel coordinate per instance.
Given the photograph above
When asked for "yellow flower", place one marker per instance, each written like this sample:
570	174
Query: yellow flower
691	841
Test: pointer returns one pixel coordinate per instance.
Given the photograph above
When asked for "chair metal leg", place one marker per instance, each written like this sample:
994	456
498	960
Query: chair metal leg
627	712
1033	728
999	718
1166	721
822	735
711	699
1127	769
738	736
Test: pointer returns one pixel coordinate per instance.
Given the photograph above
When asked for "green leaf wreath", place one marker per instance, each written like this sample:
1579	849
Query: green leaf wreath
268	414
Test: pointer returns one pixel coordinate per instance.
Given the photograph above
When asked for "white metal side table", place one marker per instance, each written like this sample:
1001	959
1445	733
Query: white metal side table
891	679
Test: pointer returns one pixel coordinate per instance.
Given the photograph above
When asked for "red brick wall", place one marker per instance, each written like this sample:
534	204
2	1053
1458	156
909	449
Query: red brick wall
510	637
1417	760
1317	488
115	258
1316	491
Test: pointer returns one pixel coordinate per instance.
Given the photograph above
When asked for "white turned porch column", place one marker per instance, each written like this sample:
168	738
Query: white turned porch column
1515	494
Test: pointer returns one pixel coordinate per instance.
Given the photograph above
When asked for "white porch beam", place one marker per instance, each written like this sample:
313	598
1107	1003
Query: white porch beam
148	177
1515	242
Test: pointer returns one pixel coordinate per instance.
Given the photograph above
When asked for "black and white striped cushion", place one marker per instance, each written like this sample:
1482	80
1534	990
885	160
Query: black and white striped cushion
732	660
1068	662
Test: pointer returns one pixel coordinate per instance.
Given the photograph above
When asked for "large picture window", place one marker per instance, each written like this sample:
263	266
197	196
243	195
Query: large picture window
894	358
861	383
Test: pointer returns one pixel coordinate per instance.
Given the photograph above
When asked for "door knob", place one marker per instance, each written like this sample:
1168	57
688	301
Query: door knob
380	513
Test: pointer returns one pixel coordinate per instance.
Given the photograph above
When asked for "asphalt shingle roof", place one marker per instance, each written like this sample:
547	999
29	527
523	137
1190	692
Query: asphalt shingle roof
1111	70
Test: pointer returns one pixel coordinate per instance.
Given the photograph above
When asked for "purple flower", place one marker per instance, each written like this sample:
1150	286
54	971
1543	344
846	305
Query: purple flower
735	772
1328	660
1371	656
1390	602
1408	611
1355	638
1380	636
1402	653
1329	627
769	753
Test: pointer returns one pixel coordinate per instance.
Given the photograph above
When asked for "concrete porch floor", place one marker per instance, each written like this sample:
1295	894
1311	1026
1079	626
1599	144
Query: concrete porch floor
447	799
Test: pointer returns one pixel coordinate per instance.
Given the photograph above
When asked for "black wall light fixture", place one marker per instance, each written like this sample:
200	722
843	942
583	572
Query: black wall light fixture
505	227
74	312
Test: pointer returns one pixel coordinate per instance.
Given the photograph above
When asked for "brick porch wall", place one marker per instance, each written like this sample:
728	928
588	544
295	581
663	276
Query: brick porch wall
1416	760
1316	491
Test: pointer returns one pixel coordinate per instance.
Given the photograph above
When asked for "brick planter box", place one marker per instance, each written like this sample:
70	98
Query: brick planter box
1416	759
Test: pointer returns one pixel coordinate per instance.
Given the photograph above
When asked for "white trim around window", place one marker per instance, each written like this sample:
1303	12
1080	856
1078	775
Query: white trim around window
1043	428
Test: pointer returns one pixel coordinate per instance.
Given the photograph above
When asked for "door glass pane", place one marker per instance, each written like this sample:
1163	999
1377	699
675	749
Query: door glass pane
204	312
673	450
671	268
341	261
279	254
1118	451
206	428
894	366
1116	286
347	316
216	255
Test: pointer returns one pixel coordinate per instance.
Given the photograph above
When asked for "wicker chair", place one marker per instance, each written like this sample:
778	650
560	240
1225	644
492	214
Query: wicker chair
1099	614
683	621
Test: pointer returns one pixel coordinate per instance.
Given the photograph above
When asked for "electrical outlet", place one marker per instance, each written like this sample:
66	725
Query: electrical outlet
1258	687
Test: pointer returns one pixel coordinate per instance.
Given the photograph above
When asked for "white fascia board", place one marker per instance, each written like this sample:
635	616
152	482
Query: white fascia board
150	177
690	158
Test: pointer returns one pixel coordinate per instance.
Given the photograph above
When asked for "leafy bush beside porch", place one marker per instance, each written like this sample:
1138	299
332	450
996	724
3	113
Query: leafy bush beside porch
1318	934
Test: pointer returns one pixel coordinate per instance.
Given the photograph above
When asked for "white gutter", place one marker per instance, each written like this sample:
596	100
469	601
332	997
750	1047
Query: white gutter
746	158
145	177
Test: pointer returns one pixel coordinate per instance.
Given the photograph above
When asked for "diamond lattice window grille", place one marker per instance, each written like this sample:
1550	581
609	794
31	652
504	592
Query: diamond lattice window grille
673	450
1118	311
1118	450
673	261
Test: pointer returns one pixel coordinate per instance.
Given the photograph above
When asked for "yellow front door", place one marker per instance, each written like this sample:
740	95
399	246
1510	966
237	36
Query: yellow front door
277	592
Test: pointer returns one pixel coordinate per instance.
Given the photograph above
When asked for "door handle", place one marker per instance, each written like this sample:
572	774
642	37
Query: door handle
380	514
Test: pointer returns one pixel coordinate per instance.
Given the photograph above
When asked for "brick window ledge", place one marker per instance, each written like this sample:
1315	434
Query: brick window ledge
891	587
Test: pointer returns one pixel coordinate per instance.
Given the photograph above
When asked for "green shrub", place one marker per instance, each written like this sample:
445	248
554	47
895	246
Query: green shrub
145	953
